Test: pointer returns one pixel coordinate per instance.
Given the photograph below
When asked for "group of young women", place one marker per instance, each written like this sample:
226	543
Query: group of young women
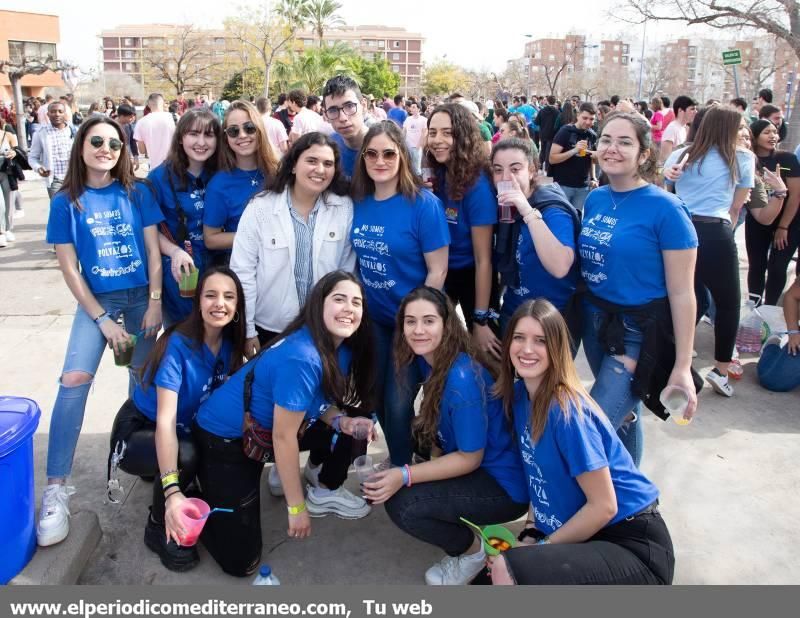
344	304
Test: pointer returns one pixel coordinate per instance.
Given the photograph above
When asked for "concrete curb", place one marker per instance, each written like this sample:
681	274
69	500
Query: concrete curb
63	563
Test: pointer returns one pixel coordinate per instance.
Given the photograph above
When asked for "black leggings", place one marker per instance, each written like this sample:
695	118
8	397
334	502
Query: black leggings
140	459
718	271
634	551
765	262
460	287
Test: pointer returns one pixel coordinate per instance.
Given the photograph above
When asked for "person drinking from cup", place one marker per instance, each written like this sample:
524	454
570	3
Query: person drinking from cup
103	223
292	395
593	516
180	185
152	433
474	471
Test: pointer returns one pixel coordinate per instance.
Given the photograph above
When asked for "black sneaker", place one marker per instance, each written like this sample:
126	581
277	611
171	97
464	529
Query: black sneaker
172	555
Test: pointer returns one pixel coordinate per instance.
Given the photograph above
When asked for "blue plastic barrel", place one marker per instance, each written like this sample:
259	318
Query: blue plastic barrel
19	418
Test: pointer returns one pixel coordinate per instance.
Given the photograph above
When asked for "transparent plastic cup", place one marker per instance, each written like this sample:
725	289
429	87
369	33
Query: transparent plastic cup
194	512
188	283
124	357
428	175
364	467
675	399
506	212
362	427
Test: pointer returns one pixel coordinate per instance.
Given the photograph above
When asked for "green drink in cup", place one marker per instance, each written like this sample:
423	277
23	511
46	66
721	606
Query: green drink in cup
124	357
188	283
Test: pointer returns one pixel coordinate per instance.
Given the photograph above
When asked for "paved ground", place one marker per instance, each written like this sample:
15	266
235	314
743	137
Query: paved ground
729	483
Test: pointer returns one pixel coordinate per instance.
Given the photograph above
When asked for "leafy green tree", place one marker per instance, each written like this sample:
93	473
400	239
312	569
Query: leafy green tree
376	76
442	77
321	16
310	69
244	84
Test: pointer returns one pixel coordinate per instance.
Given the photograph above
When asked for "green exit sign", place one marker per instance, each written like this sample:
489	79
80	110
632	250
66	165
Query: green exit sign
734	56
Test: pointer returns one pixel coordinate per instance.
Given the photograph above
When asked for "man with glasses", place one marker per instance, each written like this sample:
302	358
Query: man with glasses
342	101
153	133
51	147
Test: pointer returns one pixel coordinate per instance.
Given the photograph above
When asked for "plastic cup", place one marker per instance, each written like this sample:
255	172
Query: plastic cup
194	513
582	152
361	428
506	212
364	467
500	539
188	283
125	356
675	399
428	175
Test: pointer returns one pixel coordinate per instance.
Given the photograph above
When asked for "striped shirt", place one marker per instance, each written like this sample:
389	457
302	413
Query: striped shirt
60	146
304	249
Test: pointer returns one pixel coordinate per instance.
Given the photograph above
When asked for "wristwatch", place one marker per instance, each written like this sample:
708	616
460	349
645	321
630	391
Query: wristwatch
155	295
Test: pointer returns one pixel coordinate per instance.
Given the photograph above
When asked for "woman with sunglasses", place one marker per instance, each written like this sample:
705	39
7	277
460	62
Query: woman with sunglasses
456	151
321	363
474	469
188	362
594	516
246	161
401	239
180	185
104	226
292	235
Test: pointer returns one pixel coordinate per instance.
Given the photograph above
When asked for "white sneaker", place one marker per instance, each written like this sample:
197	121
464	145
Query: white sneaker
19	214
339	502
3	241
311	474
53	524
10	237
456	570
719	383
274	482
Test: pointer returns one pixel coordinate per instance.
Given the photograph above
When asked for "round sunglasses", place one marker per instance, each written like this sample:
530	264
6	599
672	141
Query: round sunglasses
113	143
388	155
233	130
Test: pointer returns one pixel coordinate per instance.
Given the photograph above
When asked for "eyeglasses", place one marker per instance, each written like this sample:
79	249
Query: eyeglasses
625	144
388	155
348	108
113	143
233	130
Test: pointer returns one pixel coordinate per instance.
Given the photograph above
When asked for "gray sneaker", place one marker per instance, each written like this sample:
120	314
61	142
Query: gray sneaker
339	502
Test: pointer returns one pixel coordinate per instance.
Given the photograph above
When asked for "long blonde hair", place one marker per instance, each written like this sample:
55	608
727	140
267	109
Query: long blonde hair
265	155
561	383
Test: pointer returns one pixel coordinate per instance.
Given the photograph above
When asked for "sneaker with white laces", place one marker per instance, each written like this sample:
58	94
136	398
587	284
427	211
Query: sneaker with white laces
53	524
274	482
10	237
719	383
456	570
339	502
311	473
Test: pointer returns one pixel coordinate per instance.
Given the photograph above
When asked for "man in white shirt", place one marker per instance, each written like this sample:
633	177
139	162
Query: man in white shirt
415	128
51	148
153	133
674	135
41	114
276	132
305	120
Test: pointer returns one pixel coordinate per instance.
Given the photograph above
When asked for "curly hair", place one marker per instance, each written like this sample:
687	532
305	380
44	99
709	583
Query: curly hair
467	158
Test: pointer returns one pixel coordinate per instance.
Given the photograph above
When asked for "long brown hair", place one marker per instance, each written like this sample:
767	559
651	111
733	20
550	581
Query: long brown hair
561	383
204	121
75	180
455	340
265	155
407	182
193	328
718	129
467	158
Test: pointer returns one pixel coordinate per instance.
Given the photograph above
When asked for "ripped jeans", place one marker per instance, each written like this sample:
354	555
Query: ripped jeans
613	381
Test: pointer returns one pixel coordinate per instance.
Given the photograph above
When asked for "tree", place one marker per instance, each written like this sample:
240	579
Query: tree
655	75
780	18
321	16
16	70
188	63
442	77
248	82
310	70
376	76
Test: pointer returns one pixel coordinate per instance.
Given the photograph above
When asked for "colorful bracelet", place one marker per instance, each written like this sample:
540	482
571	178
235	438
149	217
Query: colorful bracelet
407	475
296	510
169	479
336	423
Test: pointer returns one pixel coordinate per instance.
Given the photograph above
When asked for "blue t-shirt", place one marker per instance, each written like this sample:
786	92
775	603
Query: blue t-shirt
227	196
470	419
478	207
620	248
534	280
397	115
348	156
108	233
288	374
390	238
565	450
527	111
706	186
191	199
191	371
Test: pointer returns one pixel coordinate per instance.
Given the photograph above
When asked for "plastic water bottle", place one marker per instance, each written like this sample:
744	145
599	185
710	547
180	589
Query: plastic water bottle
265	577
748	337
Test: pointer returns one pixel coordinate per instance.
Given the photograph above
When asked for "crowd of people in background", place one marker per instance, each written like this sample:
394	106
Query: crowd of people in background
348	250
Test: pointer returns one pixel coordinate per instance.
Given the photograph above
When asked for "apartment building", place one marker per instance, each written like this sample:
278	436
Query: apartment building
401	49
31	36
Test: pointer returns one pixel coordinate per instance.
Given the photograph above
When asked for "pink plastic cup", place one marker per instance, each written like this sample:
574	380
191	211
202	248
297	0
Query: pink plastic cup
195	513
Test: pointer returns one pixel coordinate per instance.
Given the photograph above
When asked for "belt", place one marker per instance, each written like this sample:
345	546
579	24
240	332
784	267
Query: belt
704	219
649	510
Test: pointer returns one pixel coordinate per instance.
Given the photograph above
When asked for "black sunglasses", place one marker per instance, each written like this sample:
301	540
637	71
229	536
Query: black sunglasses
113	143
248	127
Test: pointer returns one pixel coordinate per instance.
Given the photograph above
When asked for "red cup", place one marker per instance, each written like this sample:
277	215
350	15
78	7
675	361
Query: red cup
194	513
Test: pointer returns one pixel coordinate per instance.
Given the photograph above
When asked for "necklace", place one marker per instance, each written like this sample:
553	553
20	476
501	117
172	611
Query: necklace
622	201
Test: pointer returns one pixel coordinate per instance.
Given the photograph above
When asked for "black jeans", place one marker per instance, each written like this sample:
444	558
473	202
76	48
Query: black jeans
265	336
765	263
335	462
430	511
460	287
230	480
140	458
637	550
718	271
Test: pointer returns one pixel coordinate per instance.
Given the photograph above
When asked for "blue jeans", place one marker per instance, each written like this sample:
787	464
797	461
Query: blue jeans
84	351
395	396
777	369
612	381
576	196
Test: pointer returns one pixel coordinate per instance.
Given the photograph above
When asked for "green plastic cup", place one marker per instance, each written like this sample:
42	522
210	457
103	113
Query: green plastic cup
188	283
500	539
125	356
